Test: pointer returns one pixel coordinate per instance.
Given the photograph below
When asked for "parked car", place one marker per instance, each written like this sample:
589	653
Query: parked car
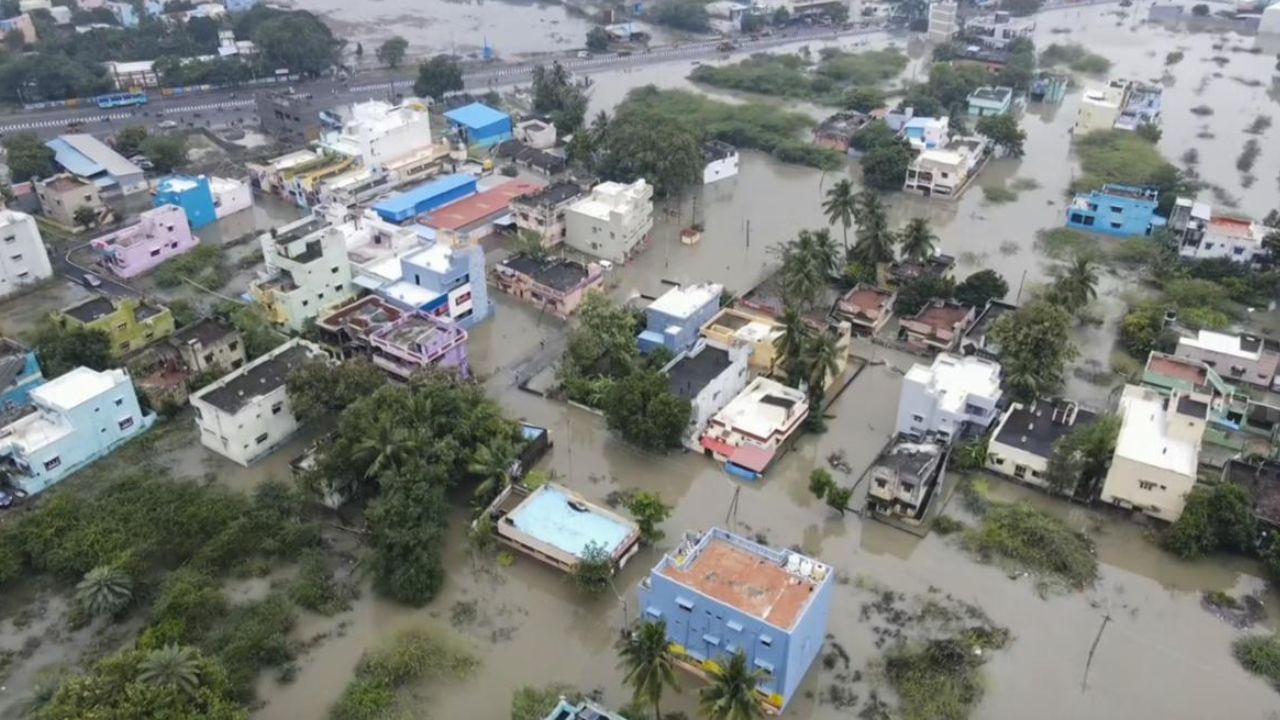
167	125
92	281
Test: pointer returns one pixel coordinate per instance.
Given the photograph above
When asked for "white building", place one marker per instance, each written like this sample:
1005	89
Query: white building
230	196
307	270
377	132
1099	108
946	171
949	398
139	74
1157	452
721	160
1236	358
23	259
247	413
944	21
536	133
708	376
1023	442
612	221
1270	23
1205	233
752	428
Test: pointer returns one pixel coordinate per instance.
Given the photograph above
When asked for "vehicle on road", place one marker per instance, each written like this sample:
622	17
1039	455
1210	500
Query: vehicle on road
92	281
115	100
167	125
584	55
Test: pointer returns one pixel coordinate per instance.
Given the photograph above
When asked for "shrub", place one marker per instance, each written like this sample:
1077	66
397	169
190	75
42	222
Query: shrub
1036	542
414	656
1260	655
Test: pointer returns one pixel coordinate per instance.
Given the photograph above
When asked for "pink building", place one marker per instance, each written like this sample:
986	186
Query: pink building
418	341
160	234
554	284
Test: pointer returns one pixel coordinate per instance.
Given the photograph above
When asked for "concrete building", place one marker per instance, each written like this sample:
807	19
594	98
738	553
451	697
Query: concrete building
1157	452
584	710
708	377
944	21
926	133
612	222
472	219
376	132
542	212
720	161
247	413
293	118
62	194
133	76
939	265
480	125
673	320
74	419
732	327
837	131
209	345
19	375
952	398
1099	108
447	281
557	285
1120	210
307	270
1142	106
348	328
867	307
750	431
999	29
987	101
1205	233
1241	359
22	24
514	152
977	339
1023	442
904	478
1270	22
204	199
90	159
536	133
947	170
356	186
557	526
405	206
720	594
938	326
1236	419
23	258
160	234
130	323
417	341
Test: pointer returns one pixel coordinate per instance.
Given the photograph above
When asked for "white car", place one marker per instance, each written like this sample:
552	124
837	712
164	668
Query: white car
167	125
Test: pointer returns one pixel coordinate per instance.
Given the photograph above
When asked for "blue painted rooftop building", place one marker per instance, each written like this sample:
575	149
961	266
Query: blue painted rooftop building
19	375
405	206
447	281
1119	210
192	194
720	594
478	124
673	320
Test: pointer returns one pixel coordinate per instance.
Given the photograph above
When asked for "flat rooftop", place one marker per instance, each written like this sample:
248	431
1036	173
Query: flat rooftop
991	94
91	309
554	515
1188	371
1036	427
551	195
994	310
761	409
1144	433
205	331
910	458
77	386
691	373
751	578
684	301
363	314
478	207
256	379
557	273
941	316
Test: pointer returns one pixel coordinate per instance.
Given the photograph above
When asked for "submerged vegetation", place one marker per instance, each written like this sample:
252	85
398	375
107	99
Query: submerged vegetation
1116	156
1076	57
412	656
1260	655
829	81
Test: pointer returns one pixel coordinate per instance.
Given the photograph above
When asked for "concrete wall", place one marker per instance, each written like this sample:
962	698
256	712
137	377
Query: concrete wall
1124	487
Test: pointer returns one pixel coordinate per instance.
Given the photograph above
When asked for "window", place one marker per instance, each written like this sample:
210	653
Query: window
908	487
917	418
119	402
208	358
276	408
1237	251
334	270
1144	485
305	303
122	326
997	460
1020	471
126	423
1088	220
765	667
1208	246
1117	209
1115	226
155	253
685	604
124	345
1037	474
261	438
52	463
233	345
1077	218
766	640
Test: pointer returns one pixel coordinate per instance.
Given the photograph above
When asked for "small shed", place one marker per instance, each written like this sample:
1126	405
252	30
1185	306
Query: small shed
479	124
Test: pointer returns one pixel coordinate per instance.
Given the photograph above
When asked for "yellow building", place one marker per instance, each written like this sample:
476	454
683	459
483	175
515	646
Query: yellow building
131	323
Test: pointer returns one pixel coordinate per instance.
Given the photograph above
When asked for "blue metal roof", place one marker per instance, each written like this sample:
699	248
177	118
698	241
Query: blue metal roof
408	200
75	162
477	115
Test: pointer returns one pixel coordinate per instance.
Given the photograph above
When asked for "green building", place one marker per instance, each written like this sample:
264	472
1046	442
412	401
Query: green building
131	323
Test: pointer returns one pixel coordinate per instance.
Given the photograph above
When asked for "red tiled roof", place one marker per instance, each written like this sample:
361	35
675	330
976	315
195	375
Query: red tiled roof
468	211
1190	372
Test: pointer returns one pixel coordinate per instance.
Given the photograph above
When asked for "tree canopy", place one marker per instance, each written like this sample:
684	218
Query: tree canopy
1214	519
1003	132
1035	347
555	94
27	157
297	40
391	53
319	389
644	143
980	287
61	350
642	409
438	77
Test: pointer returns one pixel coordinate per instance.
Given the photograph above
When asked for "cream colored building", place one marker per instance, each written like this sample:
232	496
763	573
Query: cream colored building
732	327
1157	452
612	221
1023	442
1099	108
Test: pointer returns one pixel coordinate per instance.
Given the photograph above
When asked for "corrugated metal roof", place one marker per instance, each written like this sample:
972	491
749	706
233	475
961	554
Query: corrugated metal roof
98	152
477	115
408	200
73	160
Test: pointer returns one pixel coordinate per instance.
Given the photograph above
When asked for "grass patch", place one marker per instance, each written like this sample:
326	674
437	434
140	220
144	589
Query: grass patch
1135	252
1259	125
413	656
205	264
1260	655
998	194
947	525
1065	243
790	76
1075	56
316	590
1116	156
1174	57
941	679
1036	542
870	67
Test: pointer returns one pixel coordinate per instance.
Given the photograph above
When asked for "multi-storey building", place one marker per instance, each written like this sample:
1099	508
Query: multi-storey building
612	222
23	259
307	270
160	234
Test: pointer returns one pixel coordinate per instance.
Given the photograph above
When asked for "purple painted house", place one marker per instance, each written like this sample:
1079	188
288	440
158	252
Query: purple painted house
416	341
160	234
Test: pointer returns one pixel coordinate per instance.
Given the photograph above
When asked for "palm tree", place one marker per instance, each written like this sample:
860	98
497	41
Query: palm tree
171	665
802	274
387	446
874	238
840	206
917	240
732	693
105	590
649	668
491	463
791	344
823	251
1077	283
822	357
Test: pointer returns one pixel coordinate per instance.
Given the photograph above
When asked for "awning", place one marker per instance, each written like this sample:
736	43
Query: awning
751	457
718	447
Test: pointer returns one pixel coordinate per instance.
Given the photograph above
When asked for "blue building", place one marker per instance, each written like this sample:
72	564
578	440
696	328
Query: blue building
720	594
1120	210
479	124
444	280
75	419
405	206
190	193
19	375
673	320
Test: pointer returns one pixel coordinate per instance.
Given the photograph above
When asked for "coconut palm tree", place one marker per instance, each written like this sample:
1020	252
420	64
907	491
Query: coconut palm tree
105	590
874	244
802	273
791	344
823	250
840	206
649	667
491	463
917	240
1077	283
732	693
171	665
388	445
822	358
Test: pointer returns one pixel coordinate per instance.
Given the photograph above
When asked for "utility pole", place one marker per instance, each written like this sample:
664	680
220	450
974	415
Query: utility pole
1084	681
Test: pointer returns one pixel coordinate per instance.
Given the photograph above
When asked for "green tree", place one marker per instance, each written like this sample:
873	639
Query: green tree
822	358
920	291
166	152
1076	283
438	77
884	167
643	143
299	41
114	688
687	15
1150	132
808	263
917	240
85	216
1079	460
731	694
391	53
171	665
321	389
753	23
642	409
1219	518
491	464
981	287
105	590
597	39
874	245
781	16
840	207
1200	10
129	140
865	99
593	573
649	669
359	50
650	512
1035	347
838	498
27	157
555	94
62	350
601	349
821	483
407	524
791	344
1004	133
